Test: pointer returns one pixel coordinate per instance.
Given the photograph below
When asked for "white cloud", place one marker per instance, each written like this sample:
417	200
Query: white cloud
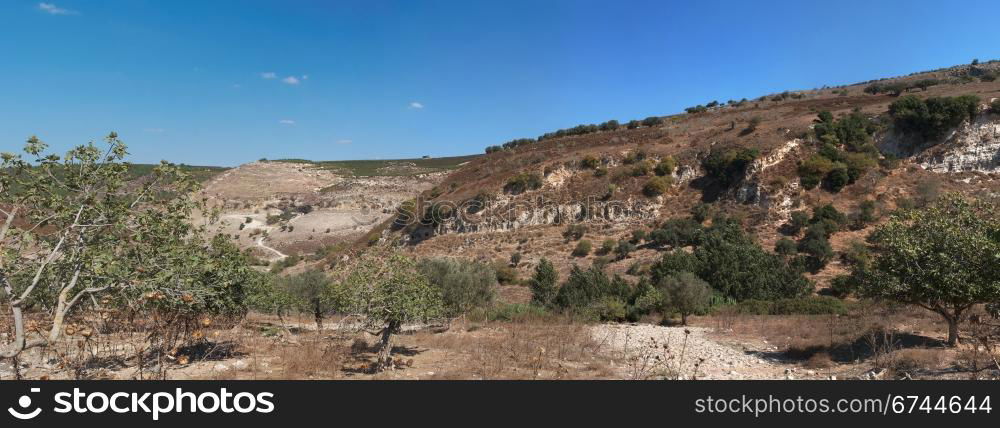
268	75
286	122
345	141
416	105
55	10
305	77
291	80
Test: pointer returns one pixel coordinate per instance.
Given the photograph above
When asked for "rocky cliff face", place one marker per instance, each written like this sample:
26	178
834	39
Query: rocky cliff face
752	190
972	147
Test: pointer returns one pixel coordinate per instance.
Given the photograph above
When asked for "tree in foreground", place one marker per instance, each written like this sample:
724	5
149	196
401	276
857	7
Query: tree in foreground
944	258
80	229
386	290
685	294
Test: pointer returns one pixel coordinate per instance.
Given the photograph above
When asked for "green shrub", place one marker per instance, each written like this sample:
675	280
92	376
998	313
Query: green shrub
895	88
865	214
829	217
582	248
843	285
702	212
666	166
856	254
287	262
923	84
463	284
816	247
652	121
641	169
543	283
726	166
607	308
590	162
752	125
505	274
786	247
634	156
591	290
515	259
656	186
509	312
932	117
624	249
523	182
677	232
607	246
874	89
798	221
837	178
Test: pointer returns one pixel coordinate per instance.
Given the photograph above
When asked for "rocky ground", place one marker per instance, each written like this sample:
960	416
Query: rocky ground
647	351
652	351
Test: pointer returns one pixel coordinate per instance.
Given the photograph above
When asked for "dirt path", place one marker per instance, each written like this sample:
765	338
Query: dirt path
645	351
257	223
260	243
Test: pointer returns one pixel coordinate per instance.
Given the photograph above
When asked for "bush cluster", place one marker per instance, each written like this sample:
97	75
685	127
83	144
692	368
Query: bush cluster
523	182
931	118
726	166
734	265
845	152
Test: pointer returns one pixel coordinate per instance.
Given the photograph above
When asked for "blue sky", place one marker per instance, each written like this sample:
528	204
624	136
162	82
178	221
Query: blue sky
226	82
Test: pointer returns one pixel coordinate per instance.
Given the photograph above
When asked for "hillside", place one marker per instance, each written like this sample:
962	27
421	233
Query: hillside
288	208
744	159
388	167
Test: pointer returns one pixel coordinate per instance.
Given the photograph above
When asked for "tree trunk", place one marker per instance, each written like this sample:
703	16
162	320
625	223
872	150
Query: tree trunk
953	338
684	319
318	313
383	359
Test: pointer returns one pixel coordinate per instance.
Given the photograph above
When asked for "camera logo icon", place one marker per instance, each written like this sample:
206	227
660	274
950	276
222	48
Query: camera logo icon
25	403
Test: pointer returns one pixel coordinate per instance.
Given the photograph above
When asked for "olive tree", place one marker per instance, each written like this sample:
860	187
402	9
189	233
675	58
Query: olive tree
685	294
463	284
80	231
385	289
308	292
944	258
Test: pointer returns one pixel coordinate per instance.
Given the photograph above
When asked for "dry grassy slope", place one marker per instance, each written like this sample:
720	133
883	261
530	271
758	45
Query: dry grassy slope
688	138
